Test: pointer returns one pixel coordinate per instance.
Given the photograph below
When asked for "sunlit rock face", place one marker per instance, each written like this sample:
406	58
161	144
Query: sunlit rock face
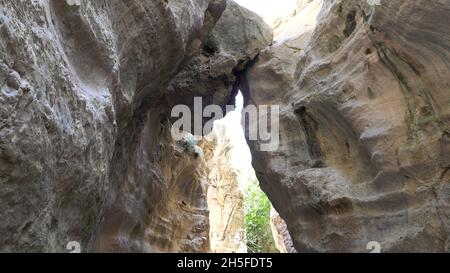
364	127
298	23
224	196
228	170
87	87
280	232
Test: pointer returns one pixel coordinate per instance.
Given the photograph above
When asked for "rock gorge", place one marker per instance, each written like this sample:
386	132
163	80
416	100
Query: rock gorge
87	153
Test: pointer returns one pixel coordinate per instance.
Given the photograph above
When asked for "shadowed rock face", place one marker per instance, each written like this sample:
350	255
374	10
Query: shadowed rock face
77	79
161	205
86	152
364	127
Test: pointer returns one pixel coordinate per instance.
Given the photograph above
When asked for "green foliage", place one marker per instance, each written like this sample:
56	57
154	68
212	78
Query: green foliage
257	220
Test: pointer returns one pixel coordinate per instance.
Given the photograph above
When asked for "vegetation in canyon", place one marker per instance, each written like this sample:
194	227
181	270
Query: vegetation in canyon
257	220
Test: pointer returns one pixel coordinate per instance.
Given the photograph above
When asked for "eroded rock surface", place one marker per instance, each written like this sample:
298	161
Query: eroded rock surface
86	152
85	148
234	42
161	205
77	80
280	232
364	127
224	196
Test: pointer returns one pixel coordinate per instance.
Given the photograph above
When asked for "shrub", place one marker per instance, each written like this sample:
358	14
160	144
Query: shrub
257	220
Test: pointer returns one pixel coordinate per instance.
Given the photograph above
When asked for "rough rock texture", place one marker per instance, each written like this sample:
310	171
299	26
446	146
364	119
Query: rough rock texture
225	198
364	128
86	152
162	205
280	232
77	79
234	42
85	148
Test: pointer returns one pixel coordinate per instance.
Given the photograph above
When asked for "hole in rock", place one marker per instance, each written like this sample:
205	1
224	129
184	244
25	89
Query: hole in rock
239	210
209	49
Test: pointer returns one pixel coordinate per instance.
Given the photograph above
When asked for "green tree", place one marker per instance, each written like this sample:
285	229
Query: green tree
257	220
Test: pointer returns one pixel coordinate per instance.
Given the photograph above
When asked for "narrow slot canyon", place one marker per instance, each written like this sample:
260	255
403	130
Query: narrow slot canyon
241	217
224	126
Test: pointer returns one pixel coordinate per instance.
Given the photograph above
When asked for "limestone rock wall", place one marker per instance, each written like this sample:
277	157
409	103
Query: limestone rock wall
86	89
85	147
77	81
364	127
232	45
235	41
161	204
280	232
224	196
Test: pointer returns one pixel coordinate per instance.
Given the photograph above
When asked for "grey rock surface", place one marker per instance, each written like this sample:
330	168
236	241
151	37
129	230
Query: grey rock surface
85	153
363	127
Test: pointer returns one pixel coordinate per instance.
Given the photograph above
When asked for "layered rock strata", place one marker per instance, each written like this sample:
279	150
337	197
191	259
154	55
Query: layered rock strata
86	152
224	196
364	127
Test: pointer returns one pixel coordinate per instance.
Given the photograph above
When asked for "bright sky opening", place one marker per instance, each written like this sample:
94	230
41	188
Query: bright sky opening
241	158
